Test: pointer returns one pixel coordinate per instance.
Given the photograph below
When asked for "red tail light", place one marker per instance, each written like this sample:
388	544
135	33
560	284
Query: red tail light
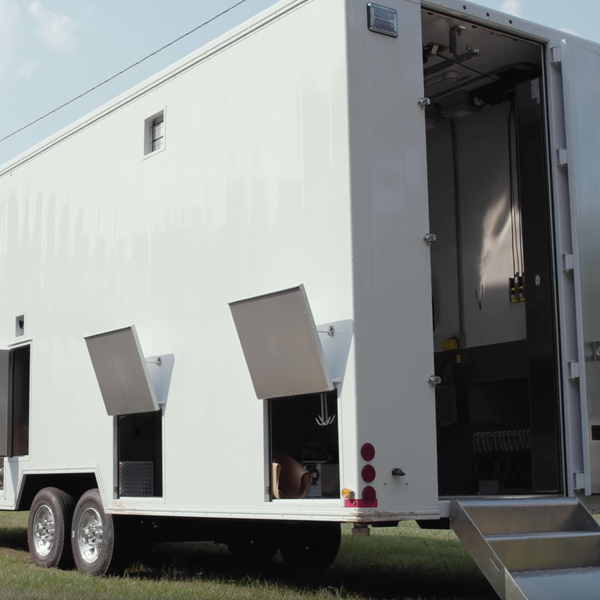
368	451
368	473
369	495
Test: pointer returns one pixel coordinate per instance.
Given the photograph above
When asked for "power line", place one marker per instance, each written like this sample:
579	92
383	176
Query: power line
135	64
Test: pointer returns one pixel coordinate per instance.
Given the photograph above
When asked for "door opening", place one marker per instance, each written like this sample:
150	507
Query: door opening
15	373
139	449
304	439
492	271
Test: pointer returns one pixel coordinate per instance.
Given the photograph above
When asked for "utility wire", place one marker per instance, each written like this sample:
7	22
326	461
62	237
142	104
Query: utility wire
139	62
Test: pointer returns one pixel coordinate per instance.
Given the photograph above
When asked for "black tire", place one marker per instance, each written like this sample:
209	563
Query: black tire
49	527
93	537
311	545
253	549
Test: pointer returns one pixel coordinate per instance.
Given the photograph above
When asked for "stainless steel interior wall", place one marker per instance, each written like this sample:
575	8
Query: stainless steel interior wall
483	185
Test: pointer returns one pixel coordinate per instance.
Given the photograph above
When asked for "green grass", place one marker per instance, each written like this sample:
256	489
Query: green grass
404	563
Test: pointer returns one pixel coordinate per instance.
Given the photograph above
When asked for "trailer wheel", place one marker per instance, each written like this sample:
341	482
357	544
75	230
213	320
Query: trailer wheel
311	545
48	528
253	549
93	536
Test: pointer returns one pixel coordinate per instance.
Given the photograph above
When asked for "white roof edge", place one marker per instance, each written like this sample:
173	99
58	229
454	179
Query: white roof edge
219	44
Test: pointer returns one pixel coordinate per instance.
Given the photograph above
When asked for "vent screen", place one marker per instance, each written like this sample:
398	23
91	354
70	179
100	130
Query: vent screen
382	19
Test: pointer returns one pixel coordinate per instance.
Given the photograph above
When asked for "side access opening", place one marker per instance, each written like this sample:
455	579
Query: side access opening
15	374
498	418
304	440
130	397
139	454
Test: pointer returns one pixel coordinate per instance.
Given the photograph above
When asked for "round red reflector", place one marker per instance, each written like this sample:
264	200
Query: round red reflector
368	473
368	451
369	495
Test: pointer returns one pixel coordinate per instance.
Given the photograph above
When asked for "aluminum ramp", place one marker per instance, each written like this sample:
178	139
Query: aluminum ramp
532	549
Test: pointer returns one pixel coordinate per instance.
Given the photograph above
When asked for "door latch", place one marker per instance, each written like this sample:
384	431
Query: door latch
429	238
434	380
424	102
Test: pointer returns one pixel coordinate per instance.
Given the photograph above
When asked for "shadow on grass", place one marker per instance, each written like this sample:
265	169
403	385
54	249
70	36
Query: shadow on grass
14	538
381	567
445	580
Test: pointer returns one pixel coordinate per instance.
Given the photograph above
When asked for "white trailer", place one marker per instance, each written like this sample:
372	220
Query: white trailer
338	265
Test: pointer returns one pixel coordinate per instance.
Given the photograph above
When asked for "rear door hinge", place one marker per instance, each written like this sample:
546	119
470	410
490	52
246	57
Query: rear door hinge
573	370
578	481
568	263
555	56
562	159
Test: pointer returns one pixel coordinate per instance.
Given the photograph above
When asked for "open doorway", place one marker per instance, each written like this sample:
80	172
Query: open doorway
140	454
304	439
492	267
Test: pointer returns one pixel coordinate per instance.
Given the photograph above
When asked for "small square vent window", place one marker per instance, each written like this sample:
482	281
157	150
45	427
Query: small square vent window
383	19
154	133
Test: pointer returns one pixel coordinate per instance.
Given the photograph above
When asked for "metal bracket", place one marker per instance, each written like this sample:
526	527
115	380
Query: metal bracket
360	530
573	370
455	33
424	102
330	331
555	56
562	159
429	238
434	380
160	370
568	263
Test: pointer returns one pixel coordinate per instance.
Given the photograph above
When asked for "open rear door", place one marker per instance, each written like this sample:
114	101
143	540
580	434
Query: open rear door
581	79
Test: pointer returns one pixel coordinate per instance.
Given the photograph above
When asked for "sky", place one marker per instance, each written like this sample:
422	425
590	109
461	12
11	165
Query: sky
53	50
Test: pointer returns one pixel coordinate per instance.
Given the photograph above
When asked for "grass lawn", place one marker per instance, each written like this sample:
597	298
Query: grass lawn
403	563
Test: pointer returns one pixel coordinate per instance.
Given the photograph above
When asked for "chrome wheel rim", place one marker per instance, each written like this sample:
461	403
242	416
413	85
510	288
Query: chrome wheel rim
43	530
90	535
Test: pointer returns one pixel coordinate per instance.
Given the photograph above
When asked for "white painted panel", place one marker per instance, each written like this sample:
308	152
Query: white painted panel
250	195
581	78
393	350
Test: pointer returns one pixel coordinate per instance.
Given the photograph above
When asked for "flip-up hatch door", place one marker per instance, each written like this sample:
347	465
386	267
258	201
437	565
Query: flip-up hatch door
581	79
121	372
281	344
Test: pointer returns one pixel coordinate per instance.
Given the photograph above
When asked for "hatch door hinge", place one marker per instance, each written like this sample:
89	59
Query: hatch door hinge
573	370
562	159
568	263
555	56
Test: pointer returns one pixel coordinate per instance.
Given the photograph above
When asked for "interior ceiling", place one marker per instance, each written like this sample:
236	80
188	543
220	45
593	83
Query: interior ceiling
498	51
